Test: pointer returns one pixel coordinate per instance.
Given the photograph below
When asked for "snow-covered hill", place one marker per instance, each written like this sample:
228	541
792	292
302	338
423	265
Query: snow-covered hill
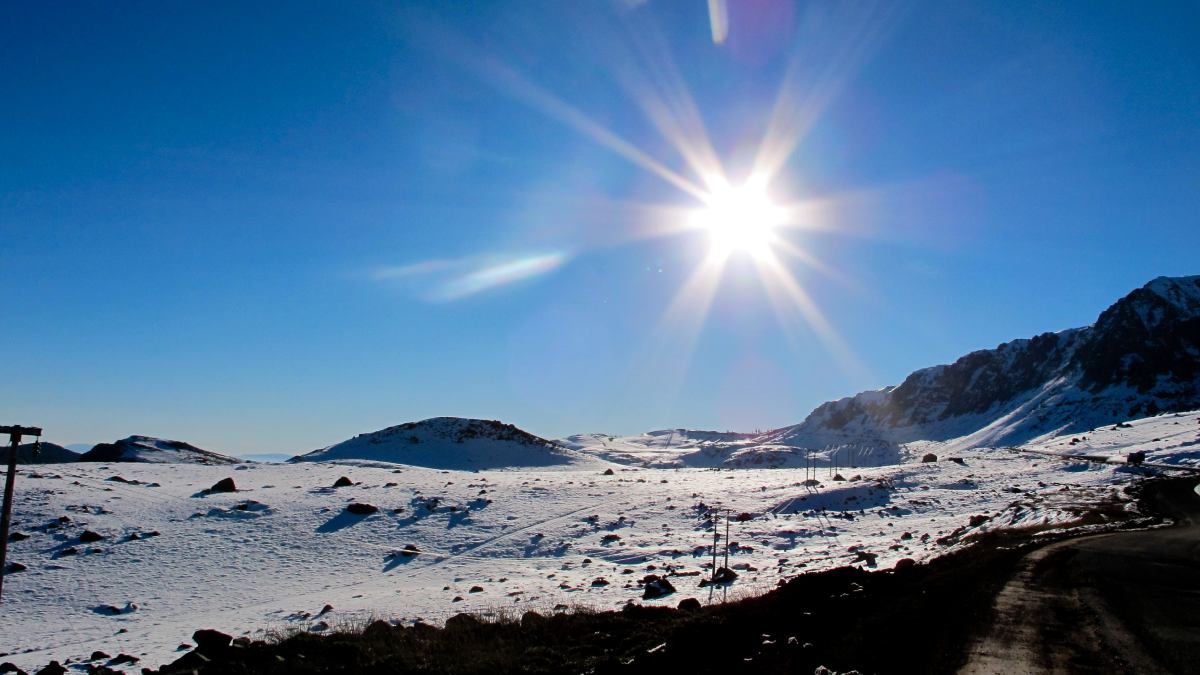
132	558
669	448
154	450
1141	357
1167	439
451	443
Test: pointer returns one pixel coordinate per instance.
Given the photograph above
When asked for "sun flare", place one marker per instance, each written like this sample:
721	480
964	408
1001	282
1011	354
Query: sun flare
740	219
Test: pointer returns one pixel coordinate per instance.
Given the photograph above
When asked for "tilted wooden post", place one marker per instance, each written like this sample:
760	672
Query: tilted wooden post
15	433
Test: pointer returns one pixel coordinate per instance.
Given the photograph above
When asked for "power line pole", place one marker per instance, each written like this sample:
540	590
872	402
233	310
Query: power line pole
14	434
726	540
716	537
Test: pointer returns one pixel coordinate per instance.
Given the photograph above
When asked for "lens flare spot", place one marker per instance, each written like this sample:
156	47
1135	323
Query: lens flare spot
740	219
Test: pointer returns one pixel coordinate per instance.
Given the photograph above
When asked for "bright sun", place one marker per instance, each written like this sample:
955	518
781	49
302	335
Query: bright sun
740	220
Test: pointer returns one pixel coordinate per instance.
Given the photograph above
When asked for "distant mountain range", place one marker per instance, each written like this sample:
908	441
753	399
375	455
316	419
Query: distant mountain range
1141	357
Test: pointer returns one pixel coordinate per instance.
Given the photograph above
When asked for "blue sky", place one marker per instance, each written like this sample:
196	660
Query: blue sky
267	227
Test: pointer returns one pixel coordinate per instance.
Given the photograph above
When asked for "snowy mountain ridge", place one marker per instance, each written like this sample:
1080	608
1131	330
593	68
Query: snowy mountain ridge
1141	357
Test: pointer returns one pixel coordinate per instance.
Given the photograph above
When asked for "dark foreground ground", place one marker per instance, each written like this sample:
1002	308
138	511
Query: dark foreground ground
934	618
1121	603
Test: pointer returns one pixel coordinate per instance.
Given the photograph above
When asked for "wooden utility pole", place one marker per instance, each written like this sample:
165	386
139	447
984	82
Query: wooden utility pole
716	537
14	434
726	540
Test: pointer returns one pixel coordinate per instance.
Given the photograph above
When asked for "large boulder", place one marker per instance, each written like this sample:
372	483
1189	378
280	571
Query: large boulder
211	641
657	587
223	485
361	508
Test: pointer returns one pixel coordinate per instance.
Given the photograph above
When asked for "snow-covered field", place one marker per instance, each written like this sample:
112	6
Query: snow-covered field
174	558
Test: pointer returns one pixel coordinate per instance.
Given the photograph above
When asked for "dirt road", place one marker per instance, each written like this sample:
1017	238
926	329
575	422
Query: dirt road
1120	602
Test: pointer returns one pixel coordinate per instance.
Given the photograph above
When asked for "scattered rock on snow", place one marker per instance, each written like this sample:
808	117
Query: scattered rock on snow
929	457
689	604
113	610
724	575
52	668
361	508
462	621
866	556
656	587
343	482
88	537
211	641
223	485
378	629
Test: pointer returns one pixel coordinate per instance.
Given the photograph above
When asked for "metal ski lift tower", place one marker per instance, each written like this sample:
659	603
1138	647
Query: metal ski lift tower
14	434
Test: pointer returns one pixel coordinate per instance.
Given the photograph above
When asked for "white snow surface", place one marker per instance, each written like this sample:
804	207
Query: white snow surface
272	554
668	448
1169	439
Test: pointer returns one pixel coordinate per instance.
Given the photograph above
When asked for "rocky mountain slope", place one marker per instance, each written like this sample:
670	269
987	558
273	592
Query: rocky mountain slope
1141	357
